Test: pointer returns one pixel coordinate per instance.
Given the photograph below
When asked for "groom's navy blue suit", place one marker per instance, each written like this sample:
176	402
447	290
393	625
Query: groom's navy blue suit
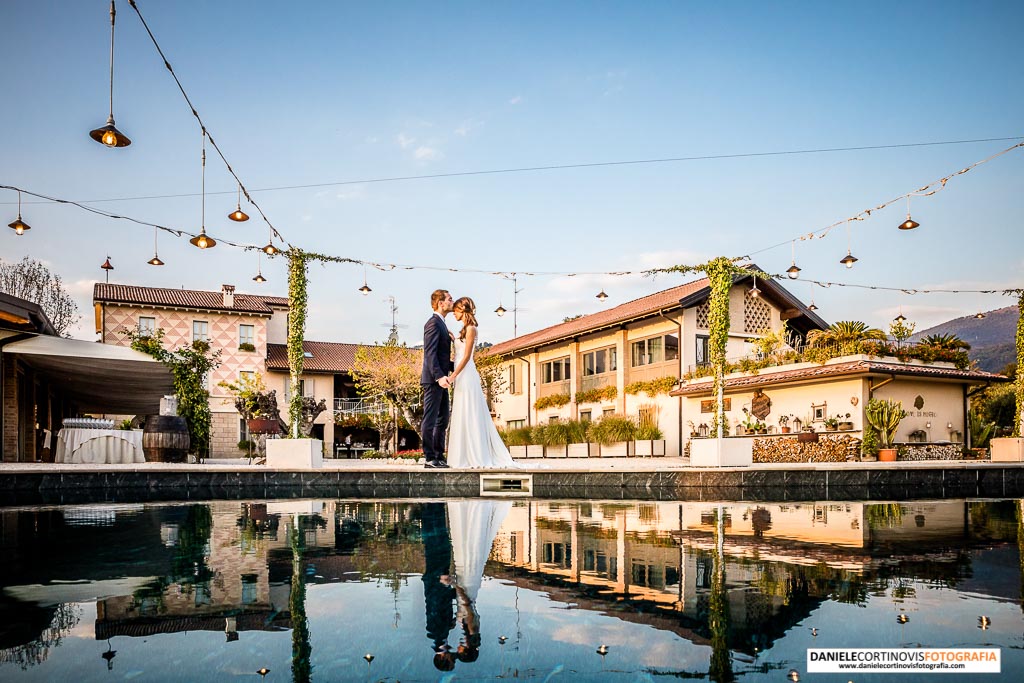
437	363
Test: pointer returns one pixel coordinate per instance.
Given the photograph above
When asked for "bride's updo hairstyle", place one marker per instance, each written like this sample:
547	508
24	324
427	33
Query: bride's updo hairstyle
467	308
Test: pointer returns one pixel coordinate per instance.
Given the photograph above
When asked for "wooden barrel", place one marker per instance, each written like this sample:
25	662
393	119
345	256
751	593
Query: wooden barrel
165	438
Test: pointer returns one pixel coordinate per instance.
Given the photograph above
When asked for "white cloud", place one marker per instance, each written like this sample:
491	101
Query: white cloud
516	100
404	141
424	153
468	126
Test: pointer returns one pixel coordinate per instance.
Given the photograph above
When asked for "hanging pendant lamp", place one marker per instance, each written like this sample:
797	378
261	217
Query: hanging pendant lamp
601	296
19	226
155	261
910	223
202	240
259	269
754	291
109	135
365	289
793	271
238	215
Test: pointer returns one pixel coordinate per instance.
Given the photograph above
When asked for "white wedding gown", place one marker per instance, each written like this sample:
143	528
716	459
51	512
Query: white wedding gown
473	441
474	525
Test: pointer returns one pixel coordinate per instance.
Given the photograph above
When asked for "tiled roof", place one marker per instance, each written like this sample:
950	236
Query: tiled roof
327	356
855	367
630	310
183	298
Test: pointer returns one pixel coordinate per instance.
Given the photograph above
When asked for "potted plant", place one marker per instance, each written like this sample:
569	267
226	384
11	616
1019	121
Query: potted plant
517	440
761	427
693	429
535	448
784	424
885	416
845	424
556	439
832	423
649	439
579	445
615	433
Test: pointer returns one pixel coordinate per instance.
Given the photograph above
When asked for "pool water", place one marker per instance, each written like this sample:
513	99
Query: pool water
485	589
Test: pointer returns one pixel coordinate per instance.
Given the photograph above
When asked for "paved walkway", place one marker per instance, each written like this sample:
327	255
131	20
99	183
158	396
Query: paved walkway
660	464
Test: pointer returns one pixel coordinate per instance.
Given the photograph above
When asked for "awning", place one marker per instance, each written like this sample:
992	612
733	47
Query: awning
101	378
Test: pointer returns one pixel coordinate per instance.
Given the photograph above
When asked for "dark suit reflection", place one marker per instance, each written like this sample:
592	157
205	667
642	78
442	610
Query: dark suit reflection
437	555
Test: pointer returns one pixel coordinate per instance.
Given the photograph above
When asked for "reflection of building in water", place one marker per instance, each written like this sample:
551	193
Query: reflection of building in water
782	560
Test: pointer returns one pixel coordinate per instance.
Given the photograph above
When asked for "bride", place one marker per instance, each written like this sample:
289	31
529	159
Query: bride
473	441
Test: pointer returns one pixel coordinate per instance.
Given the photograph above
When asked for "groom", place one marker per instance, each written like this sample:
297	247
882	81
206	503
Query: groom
437	364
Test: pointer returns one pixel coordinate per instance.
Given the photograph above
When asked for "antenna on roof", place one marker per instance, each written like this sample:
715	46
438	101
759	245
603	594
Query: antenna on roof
393	336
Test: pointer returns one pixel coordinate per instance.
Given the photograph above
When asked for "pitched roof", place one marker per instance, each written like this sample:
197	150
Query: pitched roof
23	315
853	367
184	298
631	310
326	356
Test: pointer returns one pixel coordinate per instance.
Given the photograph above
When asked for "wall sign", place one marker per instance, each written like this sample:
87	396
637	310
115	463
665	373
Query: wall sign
709	406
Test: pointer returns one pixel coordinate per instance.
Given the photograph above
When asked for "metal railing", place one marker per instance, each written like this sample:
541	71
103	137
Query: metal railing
359	405
597	381
790	355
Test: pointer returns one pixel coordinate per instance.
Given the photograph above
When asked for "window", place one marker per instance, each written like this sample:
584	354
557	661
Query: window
608	411
200	331
247	335
585	416
555	371
702	355
552	419
515	424
515	381
655	350
599	362
249	586
147	326
305	388
243	429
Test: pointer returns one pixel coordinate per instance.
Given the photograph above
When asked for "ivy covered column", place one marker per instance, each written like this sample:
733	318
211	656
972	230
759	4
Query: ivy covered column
719	272
297	304
1019	382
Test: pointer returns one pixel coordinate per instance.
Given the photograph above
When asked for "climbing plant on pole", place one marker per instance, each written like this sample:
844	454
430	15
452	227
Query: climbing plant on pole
1019	381
720	273
297	304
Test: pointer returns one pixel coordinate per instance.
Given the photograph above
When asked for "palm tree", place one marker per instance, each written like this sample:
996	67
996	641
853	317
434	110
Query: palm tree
946	342
845	332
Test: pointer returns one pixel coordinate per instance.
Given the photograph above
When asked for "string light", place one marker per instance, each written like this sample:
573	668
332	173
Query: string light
202	240
849	259
109	135
19	226
754	291
812	307
601	296
199	119
259	269
500	310
979	315
910	223
155	261
238	215
793	272
365	289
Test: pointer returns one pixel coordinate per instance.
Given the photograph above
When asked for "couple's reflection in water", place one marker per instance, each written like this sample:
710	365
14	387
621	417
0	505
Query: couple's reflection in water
457	540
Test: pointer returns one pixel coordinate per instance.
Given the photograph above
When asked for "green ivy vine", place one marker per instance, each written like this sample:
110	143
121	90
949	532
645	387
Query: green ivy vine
608	393
298	300
553	401
1020	363
654	387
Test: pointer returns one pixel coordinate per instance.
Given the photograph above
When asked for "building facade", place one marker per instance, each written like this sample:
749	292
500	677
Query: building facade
625	360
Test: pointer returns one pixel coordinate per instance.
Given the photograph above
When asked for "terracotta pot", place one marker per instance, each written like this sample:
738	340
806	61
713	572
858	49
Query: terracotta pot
785	430
845	426
887	455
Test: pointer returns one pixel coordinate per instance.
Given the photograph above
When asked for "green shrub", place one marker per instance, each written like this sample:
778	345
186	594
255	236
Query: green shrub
553	401
649	432
555	434
515	437
245	445
245	346
613	428
608	393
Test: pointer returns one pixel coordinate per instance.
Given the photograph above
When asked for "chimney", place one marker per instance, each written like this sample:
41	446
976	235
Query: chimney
229	295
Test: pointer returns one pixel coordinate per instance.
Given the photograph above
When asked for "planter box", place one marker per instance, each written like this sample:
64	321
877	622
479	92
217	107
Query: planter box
534	451
1009	449
582	450
619	449
295	454
721	452
647	448
556	451
517	451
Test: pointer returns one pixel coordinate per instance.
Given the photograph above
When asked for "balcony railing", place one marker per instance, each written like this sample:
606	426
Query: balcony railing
359	405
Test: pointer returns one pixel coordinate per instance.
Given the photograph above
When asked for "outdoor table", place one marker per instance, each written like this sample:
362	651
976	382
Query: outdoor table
98	446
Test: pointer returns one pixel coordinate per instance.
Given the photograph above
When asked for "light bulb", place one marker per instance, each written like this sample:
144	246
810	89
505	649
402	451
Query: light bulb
203	243
109	139
20	230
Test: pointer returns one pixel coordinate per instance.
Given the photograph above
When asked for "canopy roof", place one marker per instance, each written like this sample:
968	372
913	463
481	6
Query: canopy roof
99	377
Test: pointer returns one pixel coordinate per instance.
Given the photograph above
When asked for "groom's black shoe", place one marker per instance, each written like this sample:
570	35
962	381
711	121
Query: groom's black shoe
441	464
430	464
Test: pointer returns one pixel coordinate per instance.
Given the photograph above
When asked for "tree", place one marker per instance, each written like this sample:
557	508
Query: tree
31	280
492	376
392	372
189	365
946	342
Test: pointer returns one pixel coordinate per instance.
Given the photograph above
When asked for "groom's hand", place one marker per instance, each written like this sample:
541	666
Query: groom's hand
444	382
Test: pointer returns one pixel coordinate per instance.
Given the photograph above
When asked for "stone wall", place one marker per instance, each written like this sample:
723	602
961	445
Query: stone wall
10	408
837	448
224	435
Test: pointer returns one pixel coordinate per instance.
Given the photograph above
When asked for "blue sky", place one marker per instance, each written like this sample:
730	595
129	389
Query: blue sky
327	92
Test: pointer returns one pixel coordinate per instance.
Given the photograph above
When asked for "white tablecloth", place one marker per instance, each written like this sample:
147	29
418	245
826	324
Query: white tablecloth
98	446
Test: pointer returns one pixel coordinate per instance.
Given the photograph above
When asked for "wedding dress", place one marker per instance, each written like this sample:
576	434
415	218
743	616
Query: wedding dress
474	525
473	441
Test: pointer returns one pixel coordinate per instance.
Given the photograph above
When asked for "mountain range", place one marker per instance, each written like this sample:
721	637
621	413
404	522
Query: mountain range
992	338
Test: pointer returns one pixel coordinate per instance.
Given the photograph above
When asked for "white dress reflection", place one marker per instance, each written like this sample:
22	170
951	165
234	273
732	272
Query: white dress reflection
474	525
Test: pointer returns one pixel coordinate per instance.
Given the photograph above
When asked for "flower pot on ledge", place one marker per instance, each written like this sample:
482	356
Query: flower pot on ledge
886	455
845	426
295	454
